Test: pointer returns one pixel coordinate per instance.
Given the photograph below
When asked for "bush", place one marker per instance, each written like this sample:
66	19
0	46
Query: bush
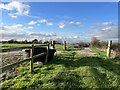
95	42
83	44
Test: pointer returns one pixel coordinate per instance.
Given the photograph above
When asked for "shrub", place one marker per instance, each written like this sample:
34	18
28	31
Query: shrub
95	42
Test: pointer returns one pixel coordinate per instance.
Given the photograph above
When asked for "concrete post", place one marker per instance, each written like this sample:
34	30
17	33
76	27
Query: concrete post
109	48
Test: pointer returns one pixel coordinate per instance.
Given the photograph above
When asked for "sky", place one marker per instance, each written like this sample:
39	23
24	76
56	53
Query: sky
70	21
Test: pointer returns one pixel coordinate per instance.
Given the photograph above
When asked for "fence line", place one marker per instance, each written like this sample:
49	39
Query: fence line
19	48
13	64
31	58
14	49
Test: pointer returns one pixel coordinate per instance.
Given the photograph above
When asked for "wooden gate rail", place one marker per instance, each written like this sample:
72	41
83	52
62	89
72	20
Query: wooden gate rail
14	49
31	59
13	64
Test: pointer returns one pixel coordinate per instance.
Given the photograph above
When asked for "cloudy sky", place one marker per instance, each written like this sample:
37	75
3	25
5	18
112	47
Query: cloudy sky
74	22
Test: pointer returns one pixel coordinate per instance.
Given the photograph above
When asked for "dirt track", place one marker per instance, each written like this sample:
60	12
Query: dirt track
85	51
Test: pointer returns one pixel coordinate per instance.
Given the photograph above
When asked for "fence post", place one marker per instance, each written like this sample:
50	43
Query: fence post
53	44
65	48
31	61
109	48
47	53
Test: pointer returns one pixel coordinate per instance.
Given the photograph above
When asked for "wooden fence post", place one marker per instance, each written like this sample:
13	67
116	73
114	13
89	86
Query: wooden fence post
65	48
31	61
109	48
50	43
53	44
47	53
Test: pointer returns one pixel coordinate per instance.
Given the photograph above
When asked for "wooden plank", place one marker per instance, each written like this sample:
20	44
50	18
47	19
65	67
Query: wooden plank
14	64
14	49
19	48
53	44
31	58
109	48
38	55
40	45
31	61
47	53
17	63
65	48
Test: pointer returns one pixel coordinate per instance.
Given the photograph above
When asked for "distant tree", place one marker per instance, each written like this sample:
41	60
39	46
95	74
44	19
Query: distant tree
12	41
83	44
25	41
103	44
40	41
95	42
45	42
35	40
58	42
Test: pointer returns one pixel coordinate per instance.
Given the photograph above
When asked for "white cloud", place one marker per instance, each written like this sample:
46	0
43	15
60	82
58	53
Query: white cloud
74	23
32	22
15	28
43	21
76	37
104	24
43	34
106	29
61	25
30	27
106	33
12	15
18	8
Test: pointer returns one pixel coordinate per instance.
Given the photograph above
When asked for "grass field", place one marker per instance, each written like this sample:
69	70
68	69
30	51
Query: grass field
13	45
57	46
66	72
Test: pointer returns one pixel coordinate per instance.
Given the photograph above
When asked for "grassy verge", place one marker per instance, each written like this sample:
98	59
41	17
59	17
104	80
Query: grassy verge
69	47
13	45
65	73
57	46
98	52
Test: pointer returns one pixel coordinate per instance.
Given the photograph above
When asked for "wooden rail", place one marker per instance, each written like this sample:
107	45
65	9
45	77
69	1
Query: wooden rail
31	59
14	49
20	48
13	64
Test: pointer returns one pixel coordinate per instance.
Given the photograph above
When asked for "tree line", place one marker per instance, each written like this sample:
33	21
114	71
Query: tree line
36	41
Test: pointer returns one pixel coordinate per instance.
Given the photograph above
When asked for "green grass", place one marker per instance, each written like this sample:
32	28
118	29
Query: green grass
69	47
64	73
98	52
13	45
57	46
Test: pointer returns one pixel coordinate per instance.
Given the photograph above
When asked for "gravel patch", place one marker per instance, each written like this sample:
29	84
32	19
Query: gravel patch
85	51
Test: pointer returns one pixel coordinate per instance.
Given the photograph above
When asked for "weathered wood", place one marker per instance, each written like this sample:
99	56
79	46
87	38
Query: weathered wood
40	45
31	61
65	48
47	53
13	64
14	49
19	62
38	55
27	59
109	48
20	48
53	44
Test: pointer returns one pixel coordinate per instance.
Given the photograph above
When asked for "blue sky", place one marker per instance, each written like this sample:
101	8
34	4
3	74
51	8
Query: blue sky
71	21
